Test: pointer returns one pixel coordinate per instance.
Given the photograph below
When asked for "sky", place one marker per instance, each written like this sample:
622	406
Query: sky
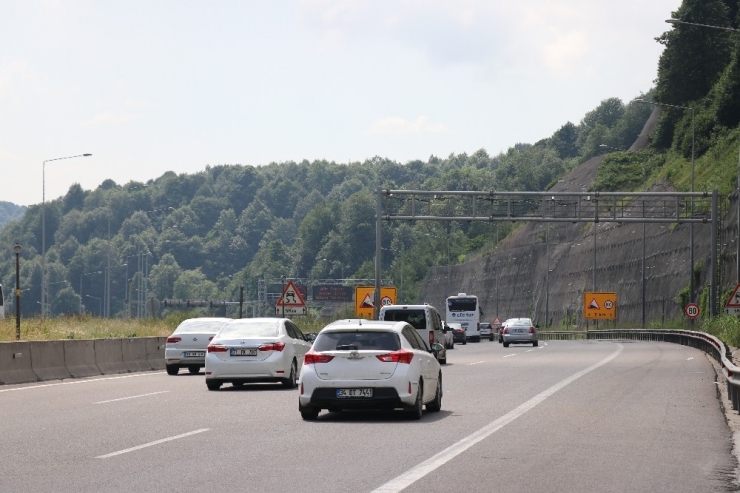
150	86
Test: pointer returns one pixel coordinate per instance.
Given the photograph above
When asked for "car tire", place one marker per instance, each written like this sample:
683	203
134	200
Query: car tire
291	382
436	405
417	410
173	369
194	370
491	338
443	361
506	344
500	340
213	384
465	341
308	413
535	344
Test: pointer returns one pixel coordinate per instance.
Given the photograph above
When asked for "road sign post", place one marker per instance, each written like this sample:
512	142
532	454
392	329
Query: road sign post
692	311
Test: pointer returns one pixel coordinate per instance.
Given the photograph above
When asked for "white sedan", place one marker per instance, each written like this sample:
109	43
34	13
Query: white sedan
186	347
367	364
256	350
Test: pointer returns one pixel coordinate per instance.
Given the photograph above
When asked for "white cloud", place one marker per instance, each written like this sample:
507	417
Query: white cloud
400	127
104	119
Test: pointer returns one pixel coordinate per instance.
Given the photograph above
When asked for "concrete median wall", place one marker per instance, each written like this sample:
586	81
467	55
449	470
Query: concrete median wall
15	363
109	356
134	353
47	360
33	361
79	358
155	352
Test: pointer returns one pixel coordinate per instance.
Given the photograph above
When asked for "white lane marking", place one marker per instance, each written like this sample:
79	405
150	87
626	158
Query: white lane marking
132	397
476	363
151	444
690	359
76	382
415	473
510	355
530	350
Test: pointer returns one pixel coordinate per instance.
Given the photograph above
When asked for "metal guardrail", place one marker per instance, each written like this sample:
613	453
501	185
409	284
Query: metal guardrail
699	340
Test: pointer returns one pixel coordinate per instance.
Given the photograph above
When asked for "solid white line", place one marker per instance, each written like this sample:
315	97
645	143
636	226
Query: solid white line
132	397
150	444
476	363
510	355
76	382
415	473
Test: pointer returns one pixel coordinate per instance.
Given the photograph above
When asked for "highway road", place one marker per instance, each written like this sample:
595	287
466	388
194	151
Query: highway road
565	416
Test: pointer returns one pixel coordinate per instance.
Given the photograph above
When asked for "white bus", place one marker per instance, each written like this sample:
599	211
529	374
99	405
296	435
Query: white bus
465	310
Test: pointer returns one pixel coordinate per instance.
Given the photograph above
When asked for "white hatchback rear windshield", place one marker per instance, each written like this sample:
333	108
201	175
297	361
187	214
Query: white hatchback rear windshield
416	318
357	340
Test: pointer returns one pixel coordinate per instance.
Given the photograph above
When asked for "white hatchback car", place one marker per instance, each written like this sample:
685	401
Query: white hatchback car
256	350
186	347
368	364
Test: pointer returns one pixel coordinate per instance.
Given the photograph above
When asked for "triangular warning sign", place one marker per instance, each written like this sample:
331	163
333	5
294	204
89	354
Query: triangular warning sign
367	302
291	296
496	321
734	300
593	305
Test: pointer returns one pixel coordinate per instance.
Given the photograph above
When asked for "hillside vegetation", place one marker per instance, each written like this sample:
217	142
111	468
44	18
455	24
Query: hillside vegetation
203	235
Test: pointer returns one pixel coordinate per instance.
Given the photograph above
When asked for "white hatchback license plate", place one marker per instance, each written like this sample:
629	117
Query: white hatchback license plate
344	393
520	331
243	352
194	354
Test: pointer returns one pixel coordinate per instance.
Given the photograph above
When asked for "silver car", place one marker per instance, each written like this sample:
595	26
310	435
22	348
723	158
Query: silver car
186	347
519	330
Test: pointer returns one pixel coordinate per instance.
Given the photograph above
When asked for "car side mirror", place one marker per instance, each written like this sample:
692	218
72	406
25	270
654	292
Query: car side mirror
437	347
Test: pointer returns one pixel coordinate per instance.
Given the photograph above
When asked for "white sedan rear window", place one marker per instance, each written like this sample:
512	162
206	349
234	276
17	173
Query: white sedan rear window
199	326
249	328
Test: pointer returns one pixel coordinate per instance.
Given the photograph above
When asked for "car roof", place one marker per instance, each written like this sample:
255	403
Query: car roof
407	307
363	324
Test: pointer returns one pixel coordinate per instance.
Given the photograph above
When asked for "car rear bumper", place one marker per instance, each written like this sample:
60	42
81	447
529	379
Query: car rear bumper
519	338
383	398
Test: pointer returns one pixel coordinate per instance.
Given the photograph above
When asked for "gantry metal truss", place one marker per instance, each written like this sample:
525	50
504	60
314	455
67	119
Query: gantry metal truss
584	207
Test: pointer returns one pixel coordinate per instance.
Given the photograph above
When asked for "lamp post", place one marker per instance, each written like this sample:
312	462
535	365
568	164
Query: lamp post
691	226
17	250
100	304
737	243
43	228
86	274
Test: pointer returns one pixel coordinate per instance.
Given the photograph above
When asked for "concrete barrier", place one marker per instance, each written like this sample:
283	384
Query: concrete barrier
47	360
79	358
15	363
155	352
109	356
134	355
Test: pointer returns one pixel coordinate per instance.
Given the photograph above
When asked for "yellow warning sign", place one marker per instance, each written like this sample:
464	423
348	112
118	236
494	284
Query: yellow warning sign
599	306
365	300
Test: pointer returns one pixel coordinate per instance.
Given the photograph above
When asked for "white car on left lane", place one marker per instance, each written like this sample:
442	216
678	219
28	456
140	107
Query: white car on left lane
256	350
186	347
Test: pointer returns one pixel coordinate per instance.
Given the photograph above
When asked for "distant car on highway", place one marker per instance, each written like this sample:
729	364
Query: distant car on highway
486	330
256	350
370	364
458	333
449	336
186	346
519	330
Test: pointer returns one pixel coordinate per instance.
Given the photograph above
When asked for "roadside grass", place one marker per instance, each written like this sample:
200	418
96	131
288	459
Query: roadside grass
88	327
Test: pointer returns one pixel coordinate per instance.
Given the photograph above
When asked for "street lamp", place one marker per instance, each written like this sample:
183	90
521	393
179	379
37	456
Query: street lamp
17	250
737	243
43	228
86	274
691	225
100	303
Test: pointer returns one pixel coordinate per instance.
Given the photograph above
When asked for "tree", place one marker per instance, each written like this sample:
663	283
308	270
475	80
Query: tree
164	275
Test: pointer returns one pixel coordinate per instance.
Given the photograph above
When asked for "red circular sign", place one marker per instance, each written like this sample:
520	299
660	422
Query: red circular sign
692	310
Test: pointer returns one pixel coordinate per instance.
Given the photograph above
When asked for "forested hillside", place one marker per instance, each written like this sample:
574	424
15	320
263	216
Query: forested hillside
10	212
203	235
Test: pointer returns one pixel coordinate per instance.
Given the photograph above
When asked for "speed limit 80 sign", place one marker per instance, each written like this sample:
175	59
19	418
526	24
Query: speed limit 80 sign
692	311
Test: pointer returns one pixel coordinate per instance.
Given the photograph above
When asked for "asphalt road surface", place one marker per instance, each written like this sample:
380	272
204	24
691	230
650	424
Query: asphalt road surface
566	416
